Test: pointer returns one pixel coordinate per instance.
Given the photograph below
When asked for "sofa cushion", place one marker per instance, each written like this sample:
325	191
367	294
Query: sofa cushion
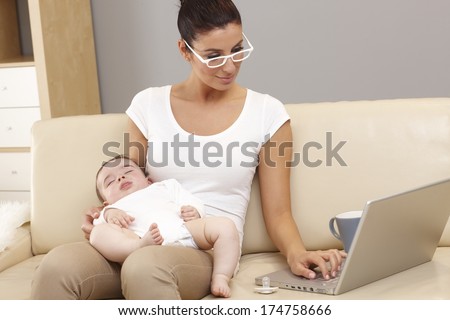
16	280
345	154
66	154
350	152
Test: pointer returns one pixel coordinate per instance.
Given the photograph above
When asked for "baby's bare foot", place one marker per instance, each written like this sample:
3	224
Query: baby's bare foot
219	286
152	236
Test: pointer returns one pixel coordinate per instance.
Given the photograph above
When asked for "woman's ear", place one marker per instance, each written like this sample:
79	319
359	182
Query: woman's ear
105	203
149	181
184	51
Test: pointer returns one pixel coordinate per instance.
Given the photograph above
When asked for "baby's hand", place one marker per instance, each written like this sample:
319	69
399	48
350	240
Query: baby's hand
119	217
189	213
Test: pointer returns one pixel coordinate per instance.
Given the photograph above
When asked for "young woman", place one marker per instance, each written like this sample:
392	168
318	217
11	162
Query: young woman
210	134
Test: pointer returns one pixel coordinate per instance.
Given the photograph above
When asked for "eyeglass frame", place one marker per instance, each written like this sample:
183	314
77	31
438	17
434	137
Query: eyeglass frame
225	58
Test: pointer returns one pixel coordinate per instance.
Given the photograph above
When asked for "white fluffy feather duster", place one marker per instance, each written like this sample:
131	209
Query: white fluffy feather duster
12	215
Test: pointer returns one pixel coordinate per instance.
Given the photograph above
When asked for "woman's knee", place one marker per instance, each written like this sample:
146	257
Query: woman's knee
76	271
165	272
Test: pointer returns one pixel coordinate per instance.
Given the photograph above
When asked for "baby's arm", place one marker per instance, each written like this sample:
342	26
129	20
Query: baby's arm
118	217
189	213
191	207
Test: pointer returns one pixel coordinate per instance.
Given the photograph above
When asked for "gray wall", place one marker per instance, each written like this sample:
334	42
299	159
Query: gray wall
305	50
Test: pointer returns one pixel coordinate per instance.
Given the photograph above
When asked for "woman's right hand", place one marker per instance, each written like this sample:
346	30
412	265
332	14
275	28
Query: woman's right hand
88	219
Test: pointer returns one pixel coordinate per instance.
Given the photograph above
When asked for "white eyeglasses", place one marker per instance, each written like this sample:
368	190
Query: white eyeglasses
220	61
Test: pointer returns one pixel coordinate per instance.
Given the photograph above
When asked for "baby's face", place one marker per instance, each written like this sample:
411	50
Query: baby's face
120	178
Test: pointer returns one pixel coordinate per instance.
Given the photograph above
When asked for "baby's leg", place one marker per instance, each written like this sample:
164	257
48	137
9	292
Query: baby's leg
116	243
219	233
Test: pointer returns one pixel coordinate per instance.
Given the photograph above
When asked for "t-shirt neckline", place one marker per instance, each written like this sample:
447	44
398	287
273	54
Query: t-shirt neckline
222	133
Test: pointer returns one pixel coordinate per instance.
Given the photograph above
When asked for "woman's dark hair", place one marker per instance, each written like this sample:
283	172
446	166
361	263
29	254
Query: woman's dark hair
199	16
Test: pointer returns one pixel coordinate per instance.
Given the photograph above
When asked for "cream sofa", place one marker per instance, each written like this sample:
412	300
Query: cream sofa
350	152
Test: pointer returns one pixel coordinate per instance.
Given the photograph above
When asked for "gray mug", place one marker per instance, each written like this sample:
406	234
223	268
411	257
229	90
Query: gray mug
347	223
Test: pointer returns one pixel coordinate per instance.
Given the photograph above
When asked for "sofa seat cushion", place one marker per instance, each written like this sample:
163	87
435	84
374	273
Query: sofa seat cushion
426	281
19	250
15	282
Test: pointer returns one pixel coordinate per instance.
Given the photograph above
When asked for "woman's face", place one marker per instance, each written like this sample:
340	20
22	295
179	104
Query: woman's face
218	42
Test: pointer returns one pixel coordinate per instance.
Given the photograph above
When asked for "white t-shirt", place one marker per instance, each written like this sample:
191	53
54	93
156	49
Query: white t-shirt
219	168
158	203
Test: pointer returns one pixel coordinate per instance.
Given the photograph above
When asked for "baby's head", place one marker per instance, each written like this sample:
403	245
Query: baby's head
119	177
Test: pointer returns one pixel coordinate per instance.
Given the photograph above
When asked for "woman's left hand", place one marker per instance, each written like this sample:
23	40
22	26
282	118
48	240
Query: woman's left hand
329	263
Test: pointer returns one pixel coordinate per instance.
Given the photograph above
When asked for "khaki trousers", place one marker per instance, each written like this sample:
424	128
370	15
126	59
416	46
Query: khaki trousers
78	271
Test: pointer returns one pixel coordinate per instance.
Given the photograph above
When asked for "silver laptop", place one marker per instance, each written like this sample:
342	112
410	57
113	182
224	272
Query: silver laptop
395	233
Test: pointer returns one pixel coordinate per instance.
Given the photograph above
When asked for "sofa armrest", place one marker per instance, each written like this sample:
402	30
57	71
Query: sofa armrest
19	250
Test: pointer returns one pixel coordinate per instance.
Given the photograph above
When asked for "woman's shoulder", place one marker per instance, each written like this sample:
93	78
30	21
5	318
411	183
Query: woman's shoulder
144	105
153	92
271	111
263	100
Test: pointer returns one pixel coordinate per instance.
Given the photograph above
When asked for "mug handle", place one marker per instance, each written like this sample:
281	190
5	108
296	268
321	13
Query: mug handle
333	230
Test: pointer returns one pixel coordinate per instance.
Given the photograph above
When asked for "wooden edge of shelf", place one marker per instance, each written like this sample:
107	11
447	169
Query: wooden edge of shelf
15	150
21	61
